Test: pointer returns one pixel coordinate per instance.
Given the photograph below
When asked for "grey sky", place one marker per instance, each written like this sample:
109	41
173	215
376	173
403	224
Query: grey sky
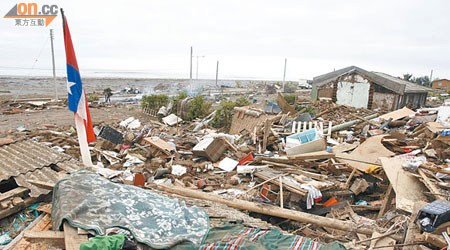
250	38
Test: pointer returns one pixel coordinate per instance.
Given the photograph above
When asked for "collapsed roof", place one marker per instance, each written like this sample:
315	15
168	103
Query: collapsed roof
392	83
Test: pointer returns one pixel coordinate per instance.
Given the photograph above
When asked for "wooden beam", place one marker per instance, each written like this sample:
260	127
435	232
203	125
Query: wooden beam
11	193
430	185
435	240
18	238
27	202
270	210
267	125
435	169
230	146
387	201
412	227
42	184
72	239
55	238
312	156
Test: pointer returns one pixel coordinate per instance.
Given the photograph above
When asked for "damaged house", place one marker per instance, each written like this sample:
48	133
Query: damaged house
360	88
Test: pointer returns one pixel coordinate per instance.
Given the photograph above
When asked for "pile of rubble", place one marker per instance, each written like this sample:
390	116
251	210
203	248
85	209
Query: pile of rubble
353	176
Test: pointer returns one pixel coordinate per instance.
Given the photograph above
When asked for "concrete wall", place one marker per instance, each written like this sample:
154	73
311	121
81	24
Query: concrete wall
383	101
353	90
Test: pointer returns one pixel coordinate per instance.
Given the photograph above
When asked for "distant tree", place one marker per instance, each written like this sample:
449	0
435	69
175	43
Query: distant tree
407	77
423	80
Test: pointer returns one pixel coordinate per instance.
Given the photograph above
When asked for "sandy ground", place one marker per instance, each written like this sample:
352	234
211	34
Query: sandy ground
60	117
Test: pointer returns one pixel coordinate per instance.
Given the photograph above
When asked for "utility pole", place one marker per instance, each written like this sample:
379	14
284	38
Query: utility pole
190	71
53	60
217	72
284	75
431	78
217	76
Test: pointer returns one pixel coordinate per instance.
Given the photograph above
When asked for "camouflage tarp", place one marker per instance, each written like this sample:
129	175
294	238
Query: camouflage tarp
88	201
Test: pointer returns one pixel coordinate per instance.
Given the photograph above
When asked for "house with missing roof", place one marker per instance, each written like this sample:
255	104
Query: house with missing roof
360	88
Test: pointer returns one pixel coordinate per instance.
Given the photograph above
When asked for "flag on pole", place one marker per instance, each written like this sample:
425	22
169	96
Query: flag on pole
77	100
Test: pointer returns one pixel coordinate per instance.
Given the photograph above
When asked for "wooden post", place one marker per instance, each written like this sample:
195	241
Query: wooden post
267	125
430	185
281	192
386	201
271	210
330	125
72	239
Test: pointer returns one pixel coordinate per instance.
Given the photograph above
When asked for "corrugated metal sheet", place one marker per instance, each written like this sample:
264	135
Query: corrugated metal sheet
25	156
29	160
69	166
45	174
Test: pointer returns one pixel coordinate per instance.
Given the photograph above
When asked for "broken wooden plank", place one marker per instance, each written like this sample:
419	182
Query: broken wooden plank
270	210
72	239
18	243
42	184
387	201
54	238
413	228
430	185
408	190
397	114
366	154
382	241
27	202
11	193
288	182
435	168
312	156
267	125
284	105
46	208
344	147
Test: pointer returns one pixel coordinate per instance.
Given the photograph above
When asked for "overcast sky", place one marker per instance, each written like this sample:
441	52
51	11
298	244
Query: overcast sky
249	38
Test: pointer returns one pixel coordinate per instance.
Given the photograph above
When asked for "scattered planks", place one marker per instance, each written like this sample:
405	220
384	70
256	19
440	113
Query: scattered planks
366	154
312	156
284	105
55	238
408	189
12	193
72	239
270	210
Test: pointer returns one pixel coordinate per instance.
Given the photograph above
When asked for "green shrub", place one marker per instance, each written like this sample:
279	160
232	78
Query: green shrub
154	102
308	109
198	107
224	114
92	98
291	99
242	101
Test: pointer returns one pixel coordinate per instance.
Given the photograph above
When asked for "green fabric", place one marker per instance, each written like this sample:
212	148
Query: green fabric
238	236
113	242
88	201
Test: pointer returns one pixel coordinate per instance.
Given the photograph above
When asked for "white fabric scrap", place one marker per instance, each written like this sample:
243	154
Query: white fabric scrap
313	193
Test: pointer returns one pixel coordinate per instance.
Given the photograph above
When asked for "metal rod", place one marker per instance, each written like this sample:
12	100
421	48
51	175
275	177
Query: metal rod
53	61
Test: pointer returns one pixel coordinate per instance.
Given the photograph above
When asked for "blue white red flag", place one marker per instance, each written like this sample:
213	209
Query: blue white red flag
77	100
